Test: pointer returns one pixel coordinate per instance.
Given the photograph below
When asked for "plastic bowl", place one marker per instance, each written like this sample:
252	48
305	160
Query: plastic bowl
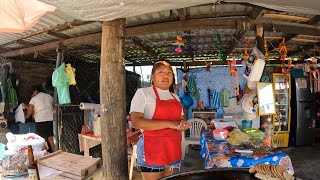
220	134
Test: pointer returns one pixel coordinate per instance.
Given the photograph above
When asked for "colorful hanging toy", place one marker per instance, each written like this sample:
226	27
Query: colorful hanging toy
233	72
246	55
220	53
283	54
178	46
266	52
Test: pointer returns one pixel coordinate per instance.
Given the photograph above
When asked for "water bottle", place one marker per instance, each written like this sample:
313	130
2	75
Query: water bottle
268	134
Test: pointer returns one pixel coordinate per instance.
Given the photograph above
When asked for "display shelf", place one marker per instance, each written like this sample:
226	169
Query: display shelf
281	83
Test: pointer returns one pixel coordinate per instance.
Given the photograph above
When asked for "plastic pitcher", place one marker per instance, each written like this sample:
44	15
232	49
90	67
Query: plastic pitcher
246	124
2	148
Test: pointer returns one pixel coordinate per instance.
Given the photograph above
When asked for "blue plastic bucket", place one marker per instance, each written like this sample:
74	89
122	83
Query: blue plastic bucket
246	124
2	148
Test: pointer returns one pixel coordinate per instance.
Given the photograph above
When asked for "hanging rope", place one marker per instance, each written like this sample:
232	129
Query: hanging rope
233	72
266	50
283	55
246	55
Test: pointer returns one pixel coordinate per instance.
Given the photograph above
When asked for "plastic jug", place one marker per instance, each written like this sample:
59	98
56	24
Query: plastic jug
246	124
2	148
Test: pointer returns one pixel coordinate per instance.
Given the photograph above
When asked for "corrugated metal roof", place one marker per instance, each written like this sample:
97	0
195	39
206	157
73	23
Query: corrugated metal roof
200	41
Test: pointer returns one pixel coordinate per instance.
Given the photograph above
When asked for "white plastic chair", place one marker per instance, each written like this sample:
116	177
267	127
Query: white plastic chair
197	125
133	160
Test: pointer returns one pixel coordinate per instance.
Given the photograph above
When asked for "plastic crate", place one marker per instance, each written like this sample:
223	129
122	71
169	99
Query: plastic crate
25	128
281	140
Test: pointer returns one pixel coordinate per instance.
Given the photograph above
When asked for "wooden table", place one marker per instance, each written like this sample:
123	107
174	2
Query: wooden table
87	141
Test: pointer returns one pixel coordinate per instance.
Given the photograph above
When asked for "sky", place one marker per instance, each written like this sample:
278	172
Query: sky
144	71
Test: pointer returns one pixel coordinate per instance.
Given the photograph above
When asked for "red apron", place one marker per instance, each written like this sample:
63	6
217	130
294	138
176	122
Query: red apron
163	147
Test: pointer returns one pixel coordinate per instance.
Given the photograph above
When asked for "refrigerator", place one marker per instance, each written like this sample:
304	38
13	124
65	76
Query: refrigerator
302	113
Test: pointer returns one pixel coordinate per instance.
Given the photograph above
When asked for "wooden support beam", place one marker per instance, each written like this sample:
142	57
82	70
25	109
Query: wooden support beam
62	27
294	28
58	34
303	49
256	13
25	43
146	48
223	23
220	15
182	14
260	38
314	20
217	23
284	16
87	39
242	28
291	36
203	63
112	100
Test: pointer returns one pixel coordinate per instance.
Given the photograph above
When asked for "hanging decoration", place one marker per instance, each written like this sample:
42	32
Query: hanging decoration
178	46
266	52
314	81
246	55
283	54
233	72
208	66
314	76
220	53
192	88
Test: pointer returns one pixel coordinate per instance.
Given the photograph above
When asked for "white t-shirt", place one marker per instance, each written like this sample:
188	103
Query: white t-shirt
144	101
43	107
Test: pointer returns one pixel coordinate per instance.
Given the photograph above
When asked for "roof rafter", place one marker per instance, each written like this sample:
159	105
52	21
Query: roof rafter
58	34
50	31
146	48
214	23
242	28
290	36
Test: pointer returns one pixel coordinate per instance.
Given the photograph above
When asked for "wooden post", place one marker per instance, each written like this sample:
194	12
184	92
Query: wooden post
260	38
56	108
112	100
185	70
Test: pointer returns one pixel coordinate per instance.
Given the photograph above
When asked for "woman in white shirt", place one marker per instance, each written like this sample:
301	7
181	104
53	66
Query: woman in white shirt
158	113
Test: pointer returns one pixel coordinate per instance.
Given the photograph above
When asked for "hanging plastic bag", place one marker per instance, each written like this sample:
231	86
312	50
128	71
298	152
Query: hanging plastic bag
71	73
60	80
186	100
255	66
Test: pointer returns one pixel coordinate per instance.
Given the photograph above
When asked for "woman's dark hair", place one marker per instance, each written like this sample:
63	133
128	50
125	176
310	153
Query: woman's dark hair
36	88
157	65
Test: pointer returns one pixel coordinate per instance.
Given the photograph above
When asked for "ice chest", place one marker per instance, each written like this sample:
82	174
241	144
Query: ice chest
72	165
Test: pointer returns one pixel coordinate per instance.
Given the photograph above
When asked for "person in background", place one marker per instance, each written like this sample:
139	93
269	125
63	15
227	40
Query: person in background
41	108
158	113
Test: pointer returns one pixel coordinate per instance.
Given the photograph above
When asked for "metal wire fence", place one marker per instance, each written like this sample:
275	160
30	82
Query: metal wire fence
71	117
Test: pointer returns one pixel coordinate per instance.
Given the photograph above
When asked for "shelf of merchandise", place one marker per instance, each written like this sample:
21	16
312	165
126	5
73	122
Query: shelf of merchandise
282	93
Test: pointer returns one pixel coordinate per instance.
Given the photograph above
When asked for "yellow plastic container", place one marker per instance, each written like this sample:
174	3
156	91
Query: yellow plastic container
280	140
